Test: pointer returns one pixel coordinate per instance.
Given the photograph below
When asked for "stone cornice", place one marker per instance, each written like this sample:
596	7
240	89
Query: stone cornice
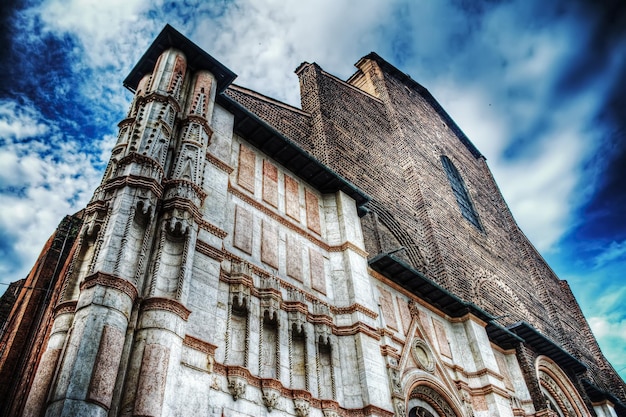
110	281
298	306
358	308
96	206
208	250
195	118
199	345
387	350
157	96
136	182
354	308
211	228
143	160
66	307
219	164
166	304
322	404
348	245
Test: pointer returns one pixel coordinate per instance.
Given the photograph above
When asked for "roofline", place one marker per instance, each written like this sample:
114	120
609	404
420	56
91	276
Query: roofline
429	98
197	59
266	133
268	99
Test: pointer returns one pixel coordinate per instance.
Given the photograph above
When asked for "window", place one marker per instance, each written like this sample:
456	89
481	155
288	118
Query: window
460	192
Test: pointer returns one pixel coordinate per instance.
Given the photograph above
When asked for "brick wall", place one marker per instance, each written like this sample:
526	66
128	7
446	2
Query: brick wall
387	138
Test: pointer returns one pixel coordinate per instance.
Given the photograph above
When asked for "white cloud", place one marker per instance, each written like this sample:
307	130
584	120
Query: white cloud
615	251
19	121
42	179
264	42
107	30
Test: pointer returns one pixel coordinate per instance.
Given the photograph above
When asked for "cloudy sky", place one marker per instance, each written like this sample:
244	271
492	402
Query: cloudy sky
538	86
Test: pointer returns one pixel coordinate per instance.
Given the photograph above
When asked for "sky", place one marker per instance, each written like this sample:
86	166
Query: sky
538	86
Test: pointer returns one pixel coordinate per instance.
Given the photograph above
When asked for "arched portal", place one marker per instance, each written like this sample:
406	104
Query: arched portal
425	400
558	391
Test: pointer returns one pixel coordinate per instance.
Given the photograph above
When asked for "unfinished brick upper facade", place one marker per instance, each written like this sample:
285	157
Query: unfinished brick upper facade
353	257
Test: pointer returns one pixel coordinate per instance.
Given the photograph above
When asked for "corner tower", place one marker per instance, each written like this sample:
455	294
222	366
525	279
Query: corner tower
126	288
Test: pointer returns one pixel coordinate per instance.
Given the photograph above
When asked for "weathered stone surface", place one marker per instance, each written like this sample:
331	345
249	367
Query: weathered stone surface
270	183
243	229
151	386
247	168
292	198
105	369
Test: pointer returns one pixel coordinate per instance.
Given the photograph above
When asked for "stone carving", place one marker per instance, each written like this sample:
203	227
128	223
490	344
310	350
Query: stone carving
400	408
237	387
467	403
270	398
415	312
433	398
422	355
302	407
396	385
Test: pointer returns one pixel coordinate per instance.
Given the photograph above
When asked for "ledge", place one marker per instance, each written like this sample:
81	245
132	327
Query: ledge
440	298
547	347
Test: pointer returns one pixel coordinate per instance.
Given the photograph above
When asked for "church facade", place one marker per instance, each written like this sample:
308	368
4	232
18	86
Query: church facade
243	257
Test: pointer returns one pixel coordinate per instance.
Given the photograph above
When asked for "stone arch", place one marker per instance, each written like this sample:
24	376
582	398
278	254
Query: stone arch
488	287
426	396
559	392
392	236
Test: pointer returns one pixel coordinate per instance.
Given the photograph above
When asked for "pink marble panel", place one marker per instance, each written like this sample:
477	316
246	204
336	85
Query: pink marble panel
318	278
242	238
405	314
247	168
270	183
386	304
292	198
294	258
312	212
39	390
106	366
152	377
269	244
442	339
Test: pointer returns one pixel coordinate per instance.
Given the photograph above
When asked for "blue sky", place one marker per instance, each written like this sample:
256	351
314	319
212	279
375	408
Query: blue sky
539	87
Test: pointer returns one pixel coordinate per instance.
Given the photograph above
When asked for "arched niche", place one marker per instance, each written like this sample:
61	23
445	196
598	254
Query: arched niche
558	391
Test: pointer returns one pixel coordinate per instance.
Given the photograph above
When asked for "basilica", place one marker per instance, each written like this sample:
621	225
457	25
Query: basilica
351	257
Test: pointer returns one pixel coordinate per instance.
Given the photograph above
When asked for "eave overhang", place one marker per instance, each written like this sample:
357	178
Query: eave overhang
547	347
289	154
597	394
197	59
440	298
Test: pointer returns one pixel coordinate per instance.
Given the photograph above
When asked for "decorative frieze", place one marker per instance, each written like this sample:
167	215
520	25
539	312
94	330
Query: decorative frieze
111	281
166	304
